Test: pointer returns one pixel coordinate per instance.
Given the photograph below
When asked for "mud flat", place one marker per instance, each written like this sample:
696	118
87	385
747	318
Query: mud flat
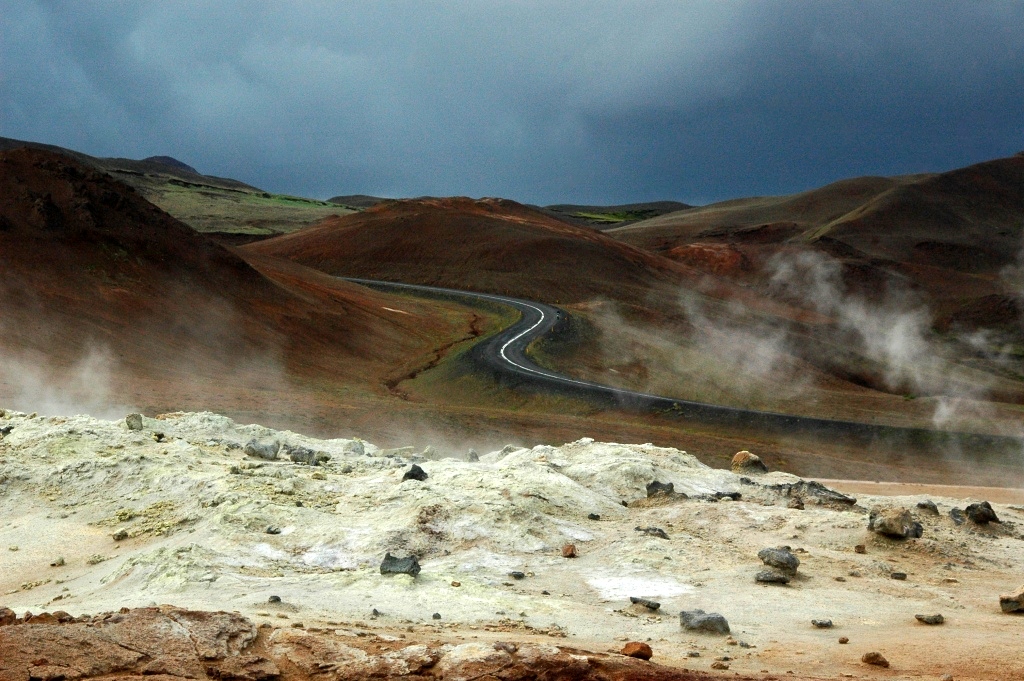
96	516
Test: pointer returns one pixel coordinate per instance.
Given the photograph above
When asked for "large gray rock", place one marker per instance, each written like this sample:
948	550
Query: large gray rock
304	455
894	522
262	450
698	620
133	421
781	559
772	577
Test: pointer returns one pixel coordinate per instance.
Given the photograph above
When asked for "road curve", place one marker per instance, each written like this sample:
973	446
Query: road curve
505	355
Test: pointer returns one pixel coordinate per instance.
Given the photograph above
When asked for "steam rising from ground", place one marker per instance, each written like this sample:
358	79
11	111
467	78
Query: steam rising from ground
733	354
34	383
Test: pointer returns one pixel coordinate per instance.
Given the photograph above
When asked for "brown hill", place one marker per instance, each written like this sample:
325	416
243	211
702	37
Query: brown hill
90	269
950	236
491	245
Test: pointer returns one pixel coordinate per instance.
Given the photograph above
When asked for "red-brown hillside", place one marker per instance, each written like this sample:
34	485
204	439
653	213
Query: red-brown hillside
87	264
490	245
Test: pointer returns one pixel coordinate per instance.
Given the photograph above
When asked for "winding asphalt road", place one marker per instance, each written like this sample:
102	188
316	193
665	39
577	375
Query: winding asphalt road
504	354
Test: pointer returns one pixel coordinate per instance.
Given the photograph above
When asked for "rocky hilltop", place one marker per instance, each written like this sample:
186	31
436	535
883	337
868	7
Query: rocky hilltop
293	557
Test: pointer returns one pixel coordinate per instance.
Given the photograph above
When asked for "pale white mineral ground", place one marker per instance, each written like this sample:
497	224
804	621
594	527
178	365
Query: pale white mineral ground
191	515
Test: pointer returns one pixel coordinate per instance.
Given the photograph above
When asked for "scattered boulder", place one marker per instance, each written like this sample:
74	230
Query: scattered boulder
957	516
719	664
274	599
517	574
698	620
860	548
273	529
894	522
638	650
650	605
655	488
901	576
780	558
1013	602
981	514
304	455
653	531
772	577
436	616
415	473
874	658
930	619
569	551
822	624
745	462
399	566
262	450
928	506
133	421
593	516
843	640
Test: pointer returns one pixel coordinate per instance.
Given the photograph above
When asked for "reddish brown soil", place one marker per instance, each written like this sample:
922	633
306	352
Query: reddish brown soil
491	245
167	643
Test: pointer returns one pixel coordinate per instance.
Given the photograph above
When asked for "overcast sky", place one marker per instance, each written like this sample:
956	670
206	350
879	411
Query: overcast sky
542	102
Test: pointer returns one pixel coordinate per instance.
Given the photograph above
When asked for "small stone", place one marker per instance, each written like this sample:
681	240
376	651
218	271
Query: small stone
781	558
593	516
436	616
796	503
839	579
158	436
946	677
638	650
692	653
650	605
928	506
58	562
399	566
274	599
133	421
930	619
860	548
718	664
12	547
843	640
957	516
415	473
772	577
981	514
698	620
273	529
516	574
456	584
375	613
822	624
894	522
655	488
901	576
298	625
745	462
1013	602
569	551
509	648
120	535
472	456
652	531
874	658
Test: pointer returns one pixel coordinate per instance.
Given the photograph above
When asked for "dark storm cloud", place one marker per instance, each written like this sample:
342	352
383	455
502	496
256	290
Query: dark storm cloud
535	101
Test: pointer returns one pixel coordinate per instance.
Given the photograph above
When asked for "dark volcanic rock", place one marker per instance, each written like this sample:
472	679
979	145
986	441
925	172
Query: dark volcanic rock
415	473
781	558
772	577
650	605
981	514
698	620
399	566
928	506
957	516
304	455
655	488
